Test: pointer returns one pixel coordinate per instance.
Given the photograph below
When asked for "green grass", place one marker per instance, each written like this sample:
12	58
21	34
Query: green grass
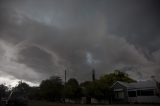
44	103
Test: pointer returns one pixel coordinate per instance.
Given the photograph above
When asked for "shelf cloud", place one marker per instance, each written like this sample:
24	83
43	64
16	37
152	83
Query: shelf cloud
40	38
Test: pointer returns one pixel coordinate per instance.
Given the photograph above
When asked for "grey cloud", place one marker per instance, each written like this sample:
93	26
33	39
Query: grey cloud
53	35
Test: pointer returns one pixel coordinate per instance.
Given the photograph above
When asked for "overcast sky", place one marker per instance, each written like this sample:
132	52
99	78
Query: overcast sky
41	38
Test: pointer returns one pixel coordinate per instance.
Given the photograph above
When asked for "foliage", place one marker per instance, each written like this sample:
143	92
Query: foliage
19	96
95	89
22	89
34	93
51	89
87	88
116	76
3	90
72	89
100	88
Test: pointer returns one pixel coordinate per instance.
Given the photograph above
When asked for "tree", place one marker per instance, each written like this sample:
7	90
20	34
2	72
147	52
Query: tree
95	89
19	95
34	93
51	89
56	80
106	81
3	90
116	76
22	89
72	89
86	88
100	88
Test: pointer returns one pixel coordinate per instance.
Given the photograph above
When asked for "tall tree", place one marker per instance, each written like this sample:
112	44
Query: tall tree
22	89
51	89
117	75
34	93
100	88
72	89
3	90
19	95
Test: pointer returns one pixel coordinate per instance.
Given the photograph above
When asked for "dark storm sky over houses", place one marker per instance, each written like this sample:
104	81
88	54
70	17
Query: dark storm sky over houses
41	38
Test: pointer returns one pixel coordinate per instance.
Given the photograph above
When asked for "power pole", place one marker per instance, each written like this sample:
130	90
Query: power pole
65	73
93	75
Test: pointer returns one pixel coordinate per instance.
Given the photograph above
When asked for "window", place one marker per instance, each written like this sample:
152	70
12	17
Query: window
132	93
119	95
138	92
148	92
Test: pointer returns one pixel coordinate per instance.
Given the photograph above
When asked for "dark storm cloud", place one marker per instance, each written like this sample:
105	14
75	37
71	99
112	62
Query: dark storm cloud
45	37
136	20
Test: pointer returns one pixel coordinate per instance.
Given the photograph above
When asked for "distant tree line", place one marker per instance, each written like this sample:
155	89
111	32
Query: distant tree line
54	89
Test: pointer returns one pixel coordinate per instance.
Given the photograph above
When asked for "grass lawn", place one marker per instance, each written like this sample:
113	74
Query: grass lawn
43	103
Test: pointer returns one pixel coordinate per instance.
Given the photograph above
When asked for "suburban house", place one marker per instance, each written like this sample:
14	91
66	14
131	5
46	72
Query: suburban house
137	92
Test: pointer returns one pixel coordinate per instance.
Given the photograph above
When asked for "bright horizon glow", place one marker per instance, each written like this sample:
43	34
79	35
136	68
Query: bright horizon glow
10	82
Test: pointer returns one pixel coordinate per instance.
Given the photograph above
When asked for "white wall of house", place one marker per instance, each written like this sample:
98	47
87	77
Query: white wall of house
144	99
140	92
141	98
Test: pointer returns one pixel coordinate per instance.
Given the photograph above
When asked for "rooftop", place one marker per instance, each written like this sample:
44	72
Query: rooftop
140	84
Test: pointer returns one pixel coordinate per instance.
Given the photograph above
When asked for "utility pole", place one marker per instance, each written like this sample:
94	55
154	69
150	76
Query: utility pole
93	75
65	73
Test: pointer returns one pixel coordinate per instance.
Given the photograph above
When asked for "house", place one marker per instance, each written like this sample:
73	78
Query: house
137	92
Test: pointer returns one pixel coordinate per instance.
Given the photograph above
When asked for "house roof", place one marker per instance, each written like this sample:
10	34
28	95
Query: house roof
140	84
